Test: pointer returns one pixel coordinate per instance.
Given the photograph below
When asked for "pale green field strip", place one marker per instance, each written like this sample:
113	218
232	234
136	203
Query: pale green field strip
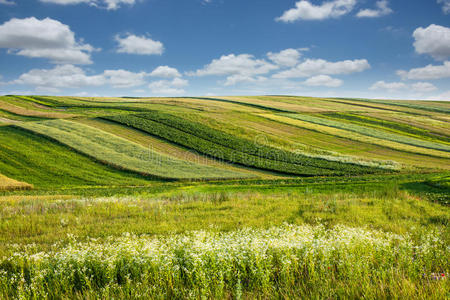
426	122
160	146
121	153
8	184
443	107
371	132
356	136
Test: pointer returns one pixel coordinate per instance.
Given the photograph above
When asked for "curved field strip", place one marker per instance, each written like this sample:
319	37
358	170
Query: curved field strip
230	148
18	110
356	136
299	104
8	184
371	132
400	128
161	146
121	153
433	125
44	163
443	108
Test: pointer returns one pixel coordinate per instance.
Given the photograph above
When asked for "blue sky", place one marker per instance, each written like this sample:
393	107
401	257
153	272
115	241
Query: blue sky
343	48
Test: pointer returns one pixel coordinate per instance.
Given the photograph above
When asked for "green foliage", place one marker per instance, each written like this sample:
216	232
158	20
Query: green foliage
123	154
232	149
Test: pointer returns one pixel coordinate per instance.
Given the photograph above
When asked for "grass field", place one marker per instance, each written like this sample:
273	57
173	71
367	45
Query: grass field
224	197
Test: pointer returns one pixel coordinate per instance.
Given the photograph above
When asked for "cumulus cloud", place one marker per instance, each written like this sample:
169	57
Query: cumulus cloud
169	87
286	58
390	86
238	78
312	67
107	4
7	2
123	78
433	40
445	6
46	38
165	72
62	76
304	10
427	73
323	80
423	87
70	76
419	87
382	9
236	64
133	44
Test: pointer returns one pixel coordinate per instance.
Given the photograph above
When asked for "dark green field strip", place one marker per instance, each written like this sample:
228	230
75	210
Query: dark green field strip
124	154
223	146
390	126
402	104
39	161
372	132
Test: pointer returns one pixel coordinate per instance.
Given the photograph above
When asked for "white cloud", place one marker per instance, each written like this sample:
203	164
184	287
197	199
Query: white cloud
304	10
287	57
124	79
7	2
165	72
312	67
323	80
390	86
70	76
423	87
445	6
45	38
169	87
62	76
427	73
107	4
238	68
433	40
419	87
238	78
244	64
133	44
382	9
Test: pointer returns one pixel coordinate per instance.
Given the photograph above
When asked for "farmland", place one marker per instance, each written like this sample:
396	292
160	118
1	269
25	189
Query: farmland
224	197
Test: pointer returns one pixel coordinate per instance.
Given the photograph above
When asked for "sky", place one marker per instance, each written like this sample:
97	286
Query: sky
392	49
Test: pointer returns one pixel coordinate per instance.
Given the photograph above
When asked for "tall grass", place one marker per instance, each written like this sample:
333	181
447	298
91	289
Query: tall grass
286	261
121	153
8	184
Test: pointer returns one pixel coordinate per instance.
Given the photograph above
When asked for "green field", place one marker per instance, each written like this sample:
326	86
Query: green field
225	197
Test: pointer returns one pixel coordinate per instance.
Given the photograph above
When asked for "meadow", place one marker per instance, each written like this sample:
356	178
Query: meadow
224	197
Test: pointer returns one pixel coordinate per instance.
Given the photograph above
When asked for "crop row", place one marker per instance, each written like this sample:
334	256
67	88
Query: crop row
123	154
389	125
372	132
227	147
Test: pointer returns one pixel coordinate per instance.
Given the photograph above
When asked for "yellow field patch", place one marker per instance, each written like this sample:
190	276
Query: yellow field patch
18	110
7	184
